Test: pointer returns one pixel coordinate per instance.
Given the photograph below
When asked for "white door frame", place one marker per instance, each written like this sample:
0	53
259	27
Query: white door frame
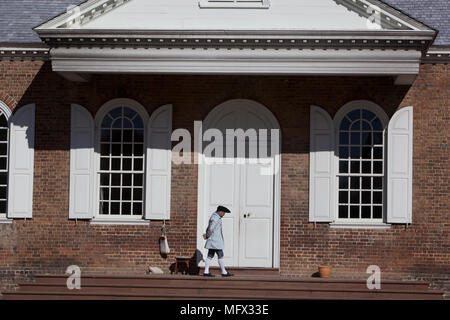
201	214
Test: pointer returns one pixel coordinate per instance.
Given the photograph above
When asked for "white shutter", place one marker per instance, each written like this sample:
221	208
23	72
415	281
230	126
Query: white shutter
399	174
21	163
159	158
81	163
321	166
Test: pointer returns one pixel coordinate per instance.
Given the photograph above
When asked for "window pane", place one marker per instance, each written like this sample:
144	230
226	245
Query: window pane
105	135
3	207
343	152
366	166
365	212
3	134
343	166
104	207
3	149
115	166
115	179
115	193
116	150
116	135
107	121
127	136
355	138
345	124
126	208
104	194
3	162
139	135
137	208
377	212
355	182
354	197
343	182
378	153
343	196
126	179
355	152
127	150
115	208
3	177
137	178
367	153
126	194
378	183
3	121
366	126
355	167
356	126
138	150
366	197
378	138
378	197
343	212
354	212
367	138
367	115
377	167
104	164
137	194
126	164
344	138
355	114
127	124
366	184
138	164
377	124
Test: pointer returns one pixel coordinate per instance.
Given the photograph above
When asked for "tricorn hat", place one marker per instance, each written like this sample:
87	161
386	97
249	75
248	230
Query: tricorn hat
221	208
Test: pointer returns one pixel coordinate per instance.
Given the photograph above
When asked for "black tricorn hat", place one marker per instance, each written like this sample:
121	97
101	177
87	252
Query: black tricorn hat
221	208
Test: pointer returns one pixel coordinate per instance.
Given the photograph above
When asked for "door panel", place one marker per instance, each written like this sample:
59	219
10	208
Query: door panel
256	218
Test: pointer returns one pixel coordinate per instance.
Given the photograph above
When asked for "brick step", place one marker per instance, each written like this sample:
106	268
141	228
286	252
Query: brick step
222	286
254	281
198	287
216	293
244	271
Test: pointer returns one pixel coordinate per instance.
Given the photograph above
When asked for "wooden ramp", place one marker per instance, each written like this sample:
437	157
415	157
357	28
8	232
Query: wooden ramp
181	287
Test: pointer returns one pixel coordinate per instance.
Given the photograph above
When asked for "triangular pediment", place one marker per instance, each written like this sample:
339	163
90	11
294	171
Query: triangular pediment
329	15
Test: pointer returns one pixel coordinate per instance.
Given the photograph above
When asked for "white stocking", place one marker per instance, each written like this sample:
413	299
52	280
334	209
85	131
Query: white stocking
207	263
222	266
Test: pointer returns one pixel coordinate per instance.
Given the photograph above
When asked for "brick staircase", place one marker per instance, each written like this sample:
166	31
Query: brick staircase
242	286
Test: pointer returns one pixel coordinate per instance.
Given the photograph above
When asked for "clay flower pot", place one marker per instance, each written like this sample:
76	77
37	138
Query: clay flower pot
324	271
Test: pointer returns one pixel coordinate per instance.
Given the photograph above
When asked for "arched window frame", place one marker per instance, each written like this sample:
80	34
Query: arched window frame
4	109
102	112
381	114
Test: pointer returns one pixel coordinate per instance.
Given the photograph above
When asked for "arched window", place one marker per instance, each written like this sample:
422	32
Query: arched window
122	163
361	169
5	113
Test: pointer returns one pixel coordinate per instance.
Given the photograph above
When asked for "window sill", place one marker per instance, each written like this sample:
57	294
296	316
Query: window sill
355	225
129	222
5	220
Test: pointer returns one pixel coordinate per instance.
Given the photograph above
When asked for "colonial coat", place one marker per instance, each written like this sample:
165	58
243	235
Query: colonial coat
215	239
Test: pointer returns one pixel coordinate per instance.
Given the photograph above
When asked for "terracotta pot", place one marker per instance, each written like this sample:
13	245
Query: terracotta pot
324	271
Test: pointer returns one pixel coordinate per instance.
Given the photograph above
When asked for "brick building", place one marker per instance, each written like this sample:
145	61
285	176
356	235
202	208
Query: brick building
358	91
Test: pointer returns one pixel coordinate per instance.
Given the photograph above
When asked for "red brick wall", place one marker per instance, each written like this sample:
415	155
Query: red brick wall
50	242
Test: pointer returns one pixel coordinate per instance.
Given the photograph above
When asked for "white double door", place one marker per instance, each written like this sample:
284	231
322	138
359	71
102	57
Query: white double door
246	187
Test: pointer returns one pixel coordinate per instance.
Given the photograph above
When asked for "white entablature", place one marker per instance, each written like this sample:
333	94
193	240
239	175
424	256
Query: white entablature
103	35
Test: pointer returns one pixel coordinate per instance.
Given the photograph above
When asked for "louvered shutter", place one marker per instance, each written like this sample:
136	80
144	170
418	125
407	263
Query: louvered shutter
81	164
21	163
159	157
321	166
399	174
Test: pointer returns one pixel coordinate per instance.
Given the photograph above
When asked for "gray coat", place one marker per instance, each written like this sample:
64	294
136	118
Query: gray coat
214	231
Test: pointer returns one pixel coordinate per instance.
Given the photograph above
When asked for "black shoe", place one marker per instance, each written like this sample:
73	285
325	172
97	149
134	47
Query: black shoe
227	275
208	275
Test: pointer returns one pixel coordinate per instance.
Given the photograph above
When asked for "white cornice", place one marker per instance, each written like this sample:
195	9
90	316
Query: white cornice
236	61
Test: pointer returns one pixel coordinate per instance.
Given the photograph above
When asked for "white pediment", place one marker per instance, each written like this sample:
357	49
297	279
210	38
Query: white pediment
230	15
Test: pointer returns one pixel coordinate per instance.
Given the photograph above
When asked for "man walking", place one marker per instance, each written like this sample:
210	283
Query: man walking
215	242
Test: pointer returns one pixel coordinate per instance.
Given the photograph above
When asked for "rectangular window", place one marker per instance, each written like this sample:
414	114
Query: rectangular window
243	4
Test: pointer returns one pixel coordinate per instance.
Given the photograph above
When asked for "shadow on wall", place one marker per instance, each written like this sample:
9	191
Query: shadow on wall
53	96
